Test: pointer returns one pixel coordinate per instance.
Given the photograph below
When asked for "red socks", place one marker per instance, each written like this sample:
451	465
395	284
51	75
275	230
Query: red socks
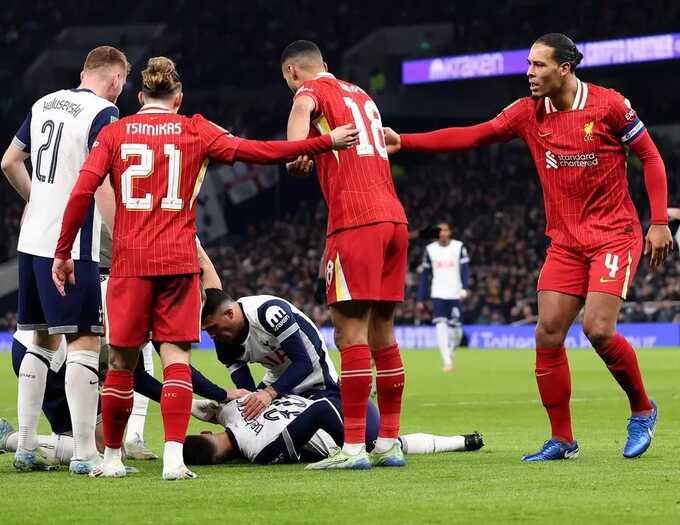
390	381
355	387
176	401
620	358
554	385
117	399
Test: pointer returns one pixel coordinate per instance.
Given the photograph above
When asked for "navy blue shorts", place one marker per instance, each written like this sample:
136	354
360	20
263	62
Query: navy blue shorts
41	307
372	414
447	310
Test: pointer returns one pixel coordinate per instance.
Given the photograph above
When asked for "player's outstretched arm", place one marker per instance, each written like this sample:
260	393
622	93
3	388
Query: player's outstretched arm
444	140
14	167
275	151
659	240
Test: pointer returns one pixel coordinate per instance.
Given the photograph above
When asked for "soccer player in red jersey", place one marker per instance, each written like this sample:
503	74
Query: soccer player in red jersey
578	135
366	249
157	160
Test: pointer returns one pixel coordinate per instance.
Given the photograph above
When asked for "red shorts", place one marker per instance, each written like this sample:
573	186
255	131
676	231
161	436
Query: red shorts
367	263
609	269
168	307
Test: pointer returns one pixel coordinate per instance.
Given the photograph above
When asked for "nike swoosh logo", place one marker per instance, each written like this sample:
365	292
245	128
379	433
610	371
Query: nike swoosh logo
543	374
544	134
94	382
571	454
603	280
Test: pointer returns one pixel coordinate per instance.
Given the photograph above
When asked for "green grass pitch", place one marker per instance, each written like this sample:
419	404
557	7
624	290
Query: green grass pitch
492	391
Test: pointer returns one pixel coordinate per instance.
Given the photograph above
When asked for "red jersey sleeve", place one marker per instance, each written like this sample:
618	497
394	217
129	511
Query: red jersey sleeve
623	120
218	143
100	159
222	146
510	122
310	89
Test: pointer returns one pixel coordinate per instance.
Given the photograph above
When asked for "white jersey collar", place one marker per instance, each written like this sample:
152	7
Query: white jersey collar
579	100
324	74
152	108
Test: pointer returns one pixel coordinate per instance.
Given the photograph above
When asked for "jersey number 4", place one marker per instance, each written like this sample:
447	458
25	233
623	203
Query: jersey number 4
371	111
171	201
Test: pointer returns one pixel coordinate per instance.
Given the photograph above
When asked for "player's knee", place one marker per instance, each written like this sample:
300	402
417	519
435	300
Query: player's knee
350	335
549	334
598	332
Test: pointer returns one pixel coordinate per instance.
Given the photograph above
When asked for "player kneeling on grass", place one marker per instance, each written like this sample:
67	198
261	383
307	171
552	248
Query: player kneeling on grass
295	429
154	285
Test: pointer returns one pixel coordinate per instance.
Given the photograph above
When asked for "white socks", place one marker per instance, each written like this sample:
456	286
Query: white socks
82	394
384	444
429	444
172	456
112	454
443	342
135	426
55	447
32	380
353	448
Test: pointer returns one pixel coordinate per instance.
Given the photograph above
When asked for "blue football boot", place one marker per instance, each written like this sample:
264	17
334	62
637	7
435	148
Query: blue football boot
552	450
640	433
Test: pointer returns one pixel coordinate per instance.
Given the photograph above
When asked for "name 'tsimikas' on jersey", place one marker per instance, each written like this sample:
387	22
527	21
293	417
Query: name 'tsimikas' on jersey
59	131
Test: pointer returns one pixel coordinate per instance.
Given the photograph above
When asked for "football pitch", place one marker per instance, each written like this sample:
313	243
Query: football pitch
492	391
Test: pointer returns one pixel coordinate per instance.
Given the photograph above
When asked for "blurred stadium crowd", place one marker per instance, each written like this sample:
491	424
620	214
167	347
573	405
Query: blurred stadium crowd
491	197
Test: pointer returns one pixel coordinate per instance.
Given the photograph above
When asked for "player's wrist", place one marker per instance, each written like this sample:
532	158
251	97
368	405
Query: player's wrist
271	392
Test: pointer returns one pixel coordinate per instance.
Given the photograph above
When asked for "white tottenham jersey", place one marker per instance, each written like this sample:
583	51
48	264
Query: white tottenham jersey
445	263
271	321
253	435
25	337
58	132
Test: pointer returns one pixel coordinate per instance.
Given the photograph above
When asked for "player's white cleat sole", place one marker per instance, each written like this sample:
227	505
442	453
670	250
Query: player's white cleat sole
180	473
109	469
83	467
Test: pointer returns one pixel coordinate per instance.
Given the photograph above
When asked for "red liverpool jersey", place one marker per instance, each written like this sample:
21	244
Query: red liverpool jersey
157	160
580	157
356	183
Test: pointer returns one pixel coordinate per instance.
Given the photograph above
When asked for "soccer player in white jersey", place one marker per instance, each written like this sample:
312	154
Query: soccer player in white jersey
57	134
447	265
293	429
271	331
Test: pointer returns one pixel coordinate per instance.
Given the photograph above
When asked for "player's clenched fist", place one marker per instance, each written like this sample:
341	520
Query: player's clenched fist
344	136
392	141
63	270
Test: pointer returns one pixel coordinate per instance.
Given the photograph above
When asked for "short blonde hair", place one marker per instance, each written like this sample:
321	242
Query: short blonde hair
160	78
103	56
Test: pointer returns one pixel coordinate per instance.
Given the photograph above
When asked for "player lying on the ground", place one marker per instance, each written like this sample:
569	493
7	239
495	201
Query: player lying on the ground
295	429
57	448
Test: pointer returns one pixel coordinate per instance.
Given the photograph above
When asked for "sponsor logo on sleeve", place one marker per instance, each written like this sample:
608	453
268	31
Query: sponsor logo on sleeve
276	317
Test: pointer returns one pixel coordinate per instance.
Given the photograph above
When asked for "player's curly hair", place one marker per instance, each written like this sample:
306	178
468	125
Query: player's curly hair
160	79
564	49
